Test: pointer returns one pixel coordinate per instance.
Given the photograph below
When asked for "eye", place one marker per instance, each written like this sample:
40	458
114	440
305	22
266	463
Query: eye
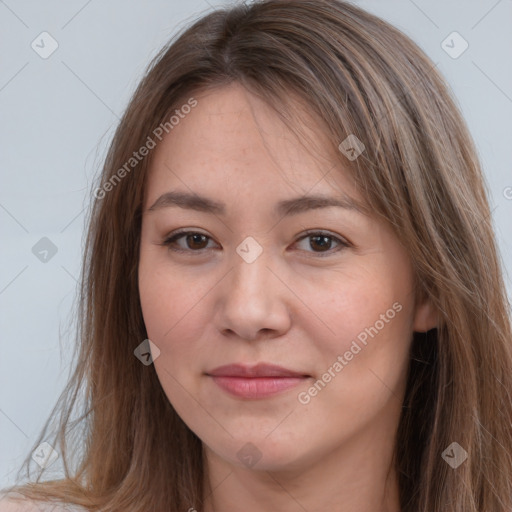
323	241
196	242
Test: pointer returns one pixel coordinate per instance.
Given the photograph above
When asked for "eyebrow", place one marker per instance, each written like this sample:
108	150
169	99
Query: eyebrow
285	207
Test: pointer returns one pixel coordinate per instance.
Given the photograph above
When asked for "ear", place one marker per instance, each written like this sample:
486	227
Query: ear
425	317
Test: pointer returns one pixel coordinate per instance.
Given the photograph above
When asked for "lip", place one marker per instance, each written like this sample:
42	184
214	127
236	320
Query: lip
257	381
257	370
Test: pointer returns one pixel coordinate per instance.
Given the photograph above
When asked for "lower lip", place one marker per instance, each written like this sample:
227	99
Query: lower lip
256	387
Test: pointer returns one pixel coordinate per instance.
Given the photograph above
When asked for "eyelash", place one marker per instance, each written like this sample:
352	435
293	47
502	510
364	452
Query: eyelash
173	237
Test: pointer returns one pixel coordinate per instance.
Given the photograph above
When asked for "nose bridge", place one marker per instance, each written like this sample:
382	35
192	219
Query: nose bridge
251	261
251	278
252	299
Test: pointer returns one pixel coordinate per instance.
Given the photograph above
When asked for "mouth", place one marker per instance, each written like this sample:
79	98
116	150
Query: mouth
257	381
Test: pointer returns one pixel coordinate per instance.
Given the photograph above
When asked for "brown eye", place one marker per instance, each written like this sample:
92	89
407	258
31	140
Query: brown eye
322	243
194	241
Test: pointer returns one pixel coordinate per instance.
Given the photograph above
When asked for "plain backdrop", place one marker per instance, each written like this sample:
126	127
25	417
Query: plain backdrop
58	115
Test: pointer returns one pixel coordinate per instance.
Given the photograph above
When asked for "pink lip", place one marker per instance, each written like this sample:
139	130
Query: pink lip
259	381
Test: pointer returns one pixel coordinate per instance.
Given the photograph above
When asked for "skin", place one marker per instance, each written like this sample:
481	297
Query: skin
292	306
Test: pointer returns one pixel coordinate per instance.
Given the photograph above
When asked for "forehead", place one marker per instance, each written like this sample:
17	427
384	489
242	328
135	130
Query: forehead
233	143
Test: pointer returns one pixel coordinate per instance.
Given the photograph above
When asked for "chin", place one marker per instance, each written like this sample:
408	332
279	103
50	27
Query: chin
257	453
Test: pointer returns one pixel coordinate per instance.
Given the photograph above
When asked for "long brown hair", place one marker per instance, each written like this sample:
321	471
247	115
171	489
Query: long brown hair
420	172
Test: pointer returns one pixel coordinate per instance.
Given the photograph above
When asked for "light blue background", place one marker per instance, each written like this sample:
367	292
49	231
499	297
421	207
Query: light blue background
57	117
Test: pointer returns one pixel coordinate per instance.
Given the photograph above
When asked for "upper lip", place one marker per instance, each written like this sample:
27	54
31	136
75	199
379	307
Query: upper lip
257	370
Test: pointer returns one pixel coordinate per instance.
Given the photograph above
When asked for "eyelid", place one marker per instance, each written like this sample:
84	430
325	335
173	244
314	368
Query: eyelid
175	235
342	242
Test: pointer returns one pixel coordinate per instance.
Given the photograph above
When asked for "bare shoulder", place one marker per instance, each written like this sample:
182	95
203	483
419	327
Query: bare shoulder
13	502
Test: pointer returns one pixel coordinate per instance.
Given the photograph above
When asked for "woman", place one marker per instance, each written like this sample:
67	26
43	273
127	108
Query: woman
292	298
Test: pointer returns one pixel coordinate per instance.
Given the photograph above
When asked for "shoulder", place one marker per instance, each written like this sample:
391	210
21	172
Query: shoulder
13	502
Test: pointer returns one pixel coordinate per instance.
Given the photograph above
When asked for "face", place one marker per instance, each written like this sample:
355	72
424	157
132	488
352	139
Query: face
324	293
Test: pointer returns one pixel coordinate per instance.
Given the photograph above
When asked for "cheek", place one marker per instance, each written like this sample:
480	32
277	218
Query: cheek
168	312
171	308
370	313
363	301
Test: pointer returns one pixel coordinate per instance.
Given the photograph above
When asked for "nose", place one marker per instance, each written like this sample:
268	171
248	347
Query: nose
252	301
